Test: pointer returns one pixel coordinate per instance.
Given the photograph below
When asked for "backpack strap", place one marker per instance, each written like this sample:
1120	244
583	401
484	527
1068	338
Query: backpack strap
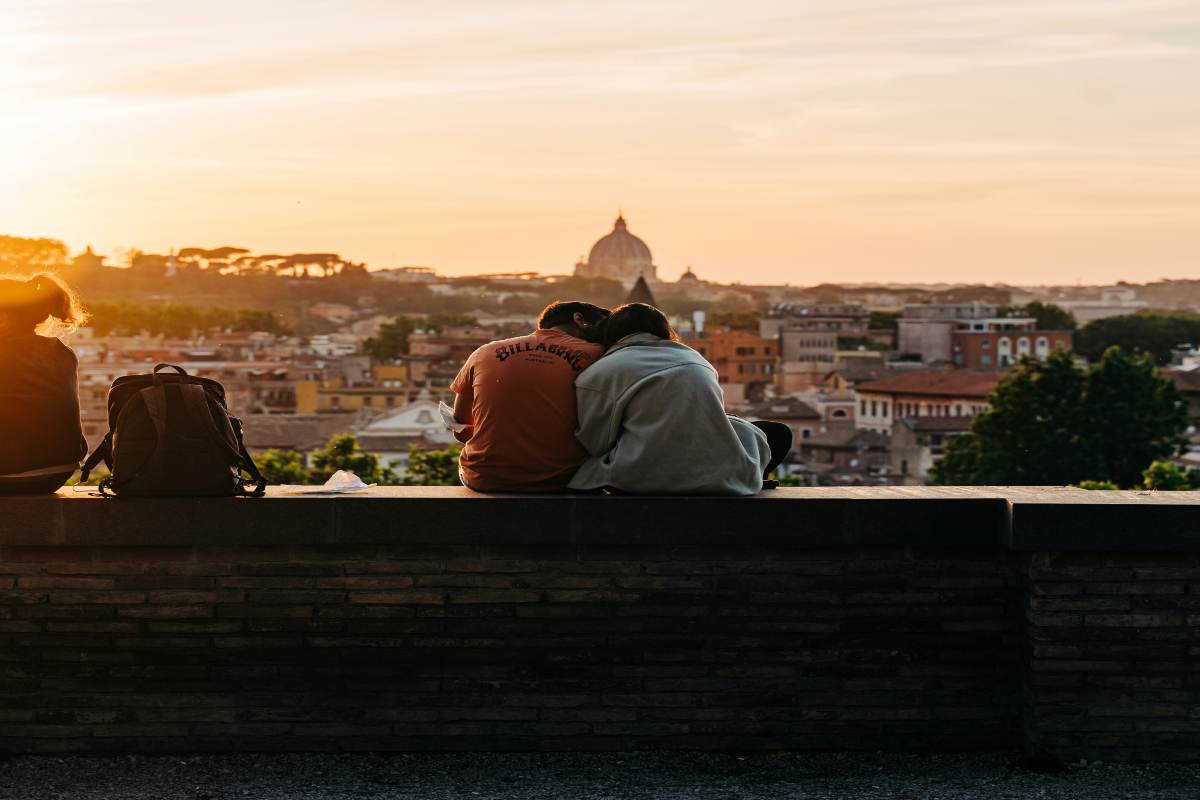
256	478
155	400
196	400
103	452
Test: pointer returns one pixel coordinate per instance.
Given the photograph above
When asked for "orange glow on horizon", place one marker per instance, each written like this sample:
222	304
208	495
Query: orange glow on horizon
760	142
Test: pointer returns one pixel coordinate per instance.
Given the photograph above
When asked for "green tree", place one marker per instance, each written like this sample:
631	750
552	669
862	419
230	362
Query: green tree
1052	423
445	319
343	452
1153	333
1097	486
282	466
1166	476
251	320
884	320
432	467
1049	316
392	340
738	320
178	320
1133	417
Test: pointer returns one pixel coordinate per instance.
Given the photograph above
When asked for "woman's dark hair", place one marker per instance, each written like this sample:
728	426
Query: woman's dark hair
636	318
27	303
562	312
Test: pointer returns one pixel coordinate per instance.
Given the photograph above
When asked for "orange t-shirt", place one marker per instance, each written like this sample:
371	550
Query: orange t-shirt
523	420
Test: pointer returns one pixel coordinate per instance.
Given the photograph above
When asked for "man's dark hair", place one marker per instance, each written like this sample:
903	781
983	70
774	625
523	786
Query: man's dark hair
562	312
636	318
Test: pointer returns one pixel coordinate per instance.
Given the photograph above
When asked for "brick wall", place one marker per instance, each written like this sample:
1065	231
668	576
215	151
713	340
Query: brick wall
905	618
455	647
1114	655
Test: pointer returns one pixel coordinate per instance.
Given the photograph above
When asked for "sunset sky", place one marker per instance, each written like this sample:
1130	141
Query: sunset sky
801	142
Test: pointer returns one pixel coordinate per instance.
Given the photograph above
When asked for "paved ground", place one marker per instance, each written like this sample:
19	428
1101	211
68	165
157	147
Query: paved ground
582	777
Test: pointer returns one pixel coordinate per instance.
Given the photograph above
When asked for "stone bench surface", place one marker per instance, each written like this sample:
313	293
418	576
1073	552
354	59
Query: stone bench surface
1016	518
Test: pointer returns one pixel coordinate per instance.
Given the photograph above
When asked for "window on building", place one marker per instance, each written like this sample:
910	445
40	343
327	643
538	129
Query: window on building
985	360
335	401
1042	348
1023	346
885	408
368	400
863	409
391	400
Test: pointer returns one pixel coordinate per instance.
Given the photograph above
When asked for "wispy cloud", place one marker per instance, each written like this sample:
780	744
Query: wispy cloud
394	109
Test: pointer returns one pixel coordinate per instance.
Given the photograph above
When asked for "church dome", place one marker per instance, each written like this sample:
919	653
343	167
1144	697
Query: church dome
619	256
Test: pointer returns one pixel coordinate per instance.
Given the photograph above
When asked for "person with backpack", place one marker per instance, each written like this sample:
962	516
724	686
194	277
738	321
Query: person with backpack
41	438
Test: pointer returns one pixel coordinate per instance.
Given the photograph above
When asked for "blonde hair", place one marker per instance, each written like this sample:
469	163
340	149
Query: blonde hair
42	303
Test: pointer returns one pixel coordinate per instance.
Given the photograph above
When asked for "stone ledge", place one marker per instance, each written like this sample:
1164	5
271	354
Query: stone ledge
1020	519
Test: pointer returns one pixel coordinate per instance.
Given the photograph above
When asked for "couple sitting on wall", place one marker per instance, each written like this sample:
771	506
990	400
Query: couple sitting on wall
596	400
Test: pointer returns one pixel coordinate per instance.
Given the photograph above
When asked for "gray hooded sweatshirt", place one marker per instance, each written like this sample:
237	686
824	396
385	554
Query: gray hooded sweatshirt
652	417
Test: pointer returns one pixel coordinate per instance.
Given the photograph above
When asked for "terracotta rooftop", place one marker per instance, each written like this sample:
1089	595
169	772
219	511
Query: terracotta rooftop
938	424
782	408
1186	380
940	383
847	438
293	431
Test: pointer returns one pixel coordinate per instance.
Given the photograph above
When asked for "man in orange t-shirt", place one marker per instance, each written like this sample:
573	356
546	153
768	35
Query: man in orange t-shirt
517	398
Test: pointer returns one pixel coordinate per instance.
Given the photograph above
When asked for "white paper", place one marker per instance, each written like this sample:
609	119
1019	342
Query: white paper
448	418
340	482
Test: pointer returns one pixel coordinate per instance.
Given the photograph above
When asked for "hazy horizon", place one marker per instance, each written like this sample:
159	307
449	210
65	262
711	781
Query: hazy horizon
854	142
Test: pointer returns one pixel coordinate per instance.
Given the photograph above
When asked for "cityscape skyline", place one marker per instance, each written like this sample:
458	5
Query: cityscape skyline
1032	143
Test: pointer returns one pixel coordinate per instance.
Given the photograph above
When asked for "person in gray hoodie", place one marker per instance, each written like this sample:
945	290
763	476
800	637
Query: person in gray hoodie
652	418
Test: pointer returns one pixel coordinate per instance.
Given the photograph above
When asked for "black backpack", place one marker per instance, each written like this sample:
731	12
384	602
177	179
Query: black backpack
170	435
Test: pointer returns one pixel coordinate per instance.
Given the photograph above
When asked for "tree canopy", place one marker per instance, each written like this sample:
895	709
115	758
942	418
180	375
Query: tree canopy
21	256
884	320
738	320
343	452
1053	423
1153	333
392	340
425	467
178	320
1049	316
